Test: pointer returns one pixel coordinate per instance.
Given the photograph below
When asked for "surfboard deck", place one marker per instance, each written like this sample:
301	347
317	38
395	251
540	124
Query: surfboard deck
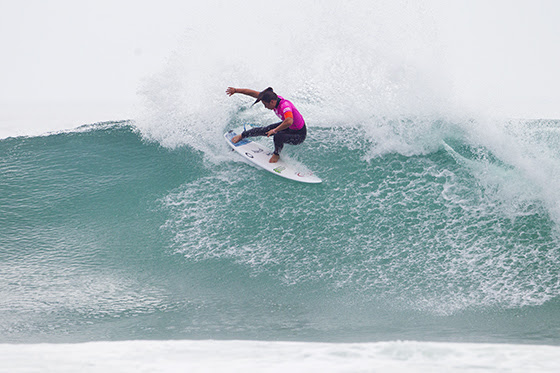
259	156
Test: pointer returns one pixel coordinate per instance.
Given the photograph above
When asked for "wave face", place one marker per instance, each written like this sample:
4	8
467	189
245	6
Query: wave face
431	230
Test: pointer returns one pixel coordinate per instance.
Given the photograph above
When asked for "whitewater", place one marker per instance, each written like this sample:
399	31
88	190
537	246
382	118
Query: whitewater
145	244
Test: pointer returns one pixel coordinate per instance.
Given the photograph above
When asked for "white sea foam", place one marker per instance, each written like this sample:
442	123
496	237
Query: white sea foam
346	74
516	161
262	356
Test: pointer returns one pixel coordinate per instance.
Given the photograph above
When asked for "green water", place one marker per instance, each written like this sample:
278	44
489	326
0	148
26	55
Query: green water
107	235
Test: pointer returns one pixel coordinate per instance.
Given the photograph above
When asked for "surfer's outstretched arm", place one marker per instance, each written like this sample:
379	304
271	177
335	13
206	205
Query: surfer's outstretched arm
245	91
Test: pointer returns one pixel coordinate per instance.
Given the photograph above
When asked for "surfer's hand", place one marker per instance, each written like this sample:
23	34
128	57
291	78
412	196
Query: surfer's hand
271	132
230	91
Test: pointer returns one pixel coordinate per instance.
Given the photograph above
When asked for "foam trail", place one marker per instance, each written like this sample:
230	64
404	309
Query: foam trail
254	356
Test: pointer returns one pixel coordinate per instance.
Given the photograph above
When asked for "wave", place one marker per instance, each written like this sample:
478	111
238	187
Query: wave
435	221
104	224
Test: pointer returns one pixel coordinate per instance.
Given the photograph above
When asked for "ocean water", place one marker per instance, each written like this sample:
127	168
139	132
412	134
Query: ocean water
106	235
145	244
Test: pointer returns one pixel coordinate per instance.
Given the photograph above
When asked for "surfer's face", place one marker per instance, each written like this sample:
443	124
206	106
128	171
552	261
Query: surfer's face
270	105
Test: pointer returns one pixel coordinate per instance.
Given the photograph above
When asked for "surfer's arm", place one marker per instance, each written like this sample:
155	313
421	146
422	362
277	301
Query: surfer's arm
245	91
285	124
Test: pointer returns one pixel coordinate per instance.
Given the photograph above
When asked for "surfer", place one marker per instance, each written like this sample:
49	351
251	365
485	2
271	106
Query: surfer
291	130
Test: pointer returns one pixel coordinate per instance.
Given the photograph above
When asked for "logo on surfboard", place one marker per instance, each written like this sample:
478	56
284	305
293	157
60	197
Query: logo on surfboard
279	169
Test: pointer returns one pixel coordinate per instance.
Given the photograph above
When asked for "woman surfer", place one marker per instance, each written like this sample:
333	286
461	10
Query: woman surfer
291	130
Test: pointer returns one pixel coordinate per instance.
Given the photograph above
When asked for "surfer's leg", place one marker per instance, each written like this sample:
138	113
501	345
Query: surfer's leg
259	131
279	140
278	144
288	137
253	132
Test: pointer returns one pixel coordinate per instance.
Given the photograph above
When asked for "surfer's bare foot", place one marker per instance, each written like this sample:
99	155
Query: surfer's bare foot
235	139
274	158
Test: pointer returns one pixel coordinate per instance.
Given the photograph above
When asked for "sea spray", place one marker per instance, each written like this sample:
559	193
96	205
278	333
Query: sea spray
372	70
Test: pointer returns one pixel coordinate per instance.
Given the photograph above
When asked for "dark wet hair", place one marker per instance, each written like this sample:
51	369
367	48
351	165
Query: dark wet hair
266	96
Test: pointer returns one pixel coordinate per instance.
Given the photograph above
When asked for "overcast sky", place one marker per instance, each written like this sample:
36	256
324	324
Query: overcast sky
91	56
504	53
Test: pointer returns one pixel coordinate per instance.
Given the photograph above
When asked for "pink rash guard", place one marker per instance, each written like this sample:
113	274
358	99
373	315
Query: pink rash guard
283	108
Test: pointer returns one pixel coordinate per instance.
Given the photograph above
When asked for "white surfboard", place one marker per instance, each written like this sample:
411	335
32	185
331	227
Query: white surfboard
259	155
